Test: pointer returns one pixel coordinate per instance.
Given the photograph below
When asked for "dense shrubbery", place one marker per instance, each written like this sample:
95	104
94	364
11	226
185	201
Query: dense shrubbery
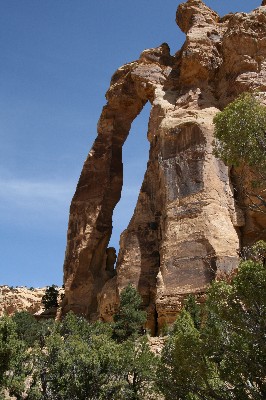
213	351
223	357
73	359
129	319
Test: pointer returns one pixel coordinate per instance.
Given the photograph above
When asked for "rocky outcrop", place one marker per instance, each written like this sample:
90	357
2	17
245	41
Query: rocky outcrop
187	226
20	299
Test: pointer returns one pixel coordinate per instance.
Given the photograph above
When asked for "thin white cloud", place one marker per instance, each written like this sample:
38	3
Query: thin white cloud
26	192
34	203
42	203
22	191
26	189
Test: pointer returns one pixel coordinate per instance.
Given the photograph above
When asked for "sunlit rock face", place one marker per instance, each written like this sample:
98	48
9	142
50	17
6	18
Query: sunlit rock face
187	227
18	299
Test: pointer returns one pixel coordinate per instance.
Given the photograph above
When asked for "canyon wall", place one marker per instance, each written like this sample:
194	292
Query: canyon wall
187	226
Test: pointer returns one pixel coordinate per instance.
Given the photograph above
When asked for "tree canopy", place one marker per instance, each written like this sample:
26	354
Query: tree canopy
240	141
240	132
50	298
214	351
224	356
129	319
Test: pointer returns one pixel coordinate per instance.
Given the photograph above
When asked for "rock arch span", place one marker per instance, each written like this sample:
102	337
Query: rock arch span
186	226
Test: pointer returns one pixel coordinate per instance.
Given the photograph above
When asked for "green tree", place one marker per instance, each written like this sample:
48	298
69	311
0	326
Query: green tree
138	368
226	357
241	308
194	309
129	319
67	369
185	371
240	141
240	132
14	360
27	328
256	252
7	338
73	360
76	325
79	361
50	298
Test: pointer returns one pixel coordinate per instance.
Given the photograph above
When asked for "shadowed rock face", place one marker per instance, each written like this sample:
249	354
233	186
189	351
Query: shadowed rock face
186	226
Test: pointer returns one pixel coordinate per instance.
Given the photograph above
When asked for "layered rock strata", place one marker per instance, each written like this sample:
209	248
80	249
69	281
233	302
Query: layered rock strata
187	226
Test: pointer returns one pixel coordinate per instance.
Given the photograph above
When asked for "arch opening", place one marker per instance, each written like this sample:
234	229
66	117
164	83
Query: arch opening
135	158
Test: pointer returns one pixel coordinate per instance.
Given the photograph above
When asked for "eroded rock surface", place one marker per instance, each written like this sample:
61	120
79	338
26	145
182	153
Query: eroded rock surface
187	226
20	299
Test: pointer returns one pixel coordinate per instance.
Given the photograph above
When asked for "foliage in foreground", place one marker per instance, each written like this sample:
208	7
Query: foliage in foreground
73	359
225	356
129	319
213	352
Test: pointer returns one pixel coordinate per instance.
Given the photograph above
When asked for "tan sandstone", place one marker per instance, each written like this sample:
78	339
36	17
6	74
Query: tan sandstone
20	299
188	225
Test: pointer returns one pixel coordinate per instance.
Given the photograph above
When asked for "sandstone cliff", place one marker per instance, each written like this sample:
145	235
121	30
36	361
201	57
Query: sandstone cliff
187	226
20	299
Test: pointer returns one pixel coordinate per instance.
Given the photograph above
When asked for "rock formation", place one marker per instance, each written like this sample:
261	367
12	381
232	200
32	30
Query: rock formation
20	299
187	226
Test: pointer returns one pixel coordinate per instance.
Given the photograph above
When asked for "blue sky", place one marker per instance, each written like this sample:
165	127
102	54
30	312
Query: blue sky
57	58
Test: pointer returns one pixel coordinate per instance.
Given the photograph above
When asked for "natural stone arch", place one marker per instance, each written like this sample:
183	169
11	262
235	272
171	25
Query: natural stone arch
186	226
100	184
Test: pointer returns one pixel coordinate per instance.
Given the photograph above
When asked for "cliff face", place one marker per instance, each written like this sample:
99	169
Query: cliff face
20	299
187	226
